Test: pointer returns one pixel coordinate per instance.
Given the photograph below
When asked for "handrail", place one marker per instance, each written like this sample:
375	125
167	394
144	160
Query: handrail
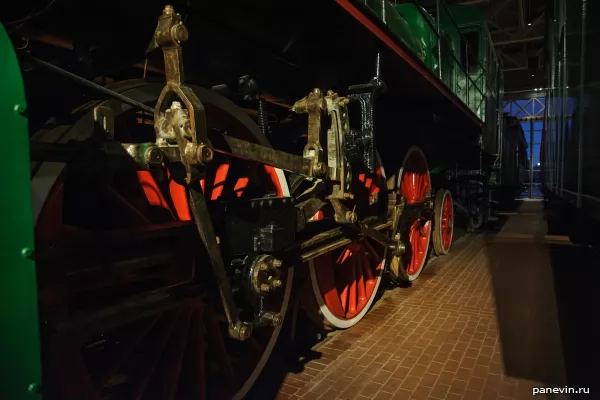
441	39
427	16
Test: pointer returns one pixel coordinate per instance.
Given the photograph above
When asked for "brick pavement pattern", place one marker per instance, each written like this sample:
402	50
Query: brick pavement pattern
435	340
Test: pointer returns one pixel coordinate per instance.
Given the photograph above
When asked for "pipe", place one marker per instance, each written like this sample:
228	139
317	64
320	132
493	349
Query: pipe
521	40
521	14
531	139
439	38
581	100
62	43
564	102
90	84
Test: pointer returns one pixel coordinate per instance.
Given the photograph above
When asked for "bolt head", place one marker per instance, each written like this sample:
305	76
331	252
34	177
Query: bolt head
205	153
277	320
277	283
350	217
245	332
180	33
265	288
154	155
320	169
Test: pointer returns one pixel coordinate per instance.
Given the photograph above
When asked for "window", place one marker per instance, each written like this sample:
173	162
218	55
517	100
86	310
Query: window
469	51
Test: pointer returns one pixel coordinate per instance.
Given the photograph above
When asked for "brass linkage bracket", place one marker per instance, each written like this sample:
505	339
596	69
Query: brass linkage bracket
336	168
339	171
184	126
314	105
175	125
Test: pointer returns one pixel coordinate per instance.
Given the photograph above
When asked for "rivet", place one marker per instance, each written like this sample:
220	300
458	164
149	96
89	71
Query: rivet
34	388
27	252
20	108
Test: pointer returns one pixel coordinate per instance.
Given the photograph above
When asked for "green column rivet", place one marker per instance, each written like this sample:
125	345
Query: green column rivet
20	109
27	252
34	388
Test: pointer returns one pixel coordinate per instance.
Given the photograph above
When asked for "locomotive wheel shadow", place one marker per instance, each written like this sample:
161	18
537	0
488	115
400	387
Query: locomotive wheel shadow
288	357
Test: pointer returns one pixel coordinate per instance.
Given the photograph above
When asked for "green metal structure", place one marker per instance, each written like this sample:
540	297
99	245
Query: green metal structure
469	66
21	371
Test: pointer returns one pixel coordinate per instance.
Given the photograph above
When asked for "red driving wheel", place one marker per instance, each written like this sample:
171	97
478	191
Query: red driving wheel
179	351
414	182
444	222
344	282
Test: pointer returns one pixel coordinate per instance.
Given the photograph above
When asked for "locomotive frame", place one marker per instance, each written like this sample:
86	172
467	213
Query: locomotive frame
385	222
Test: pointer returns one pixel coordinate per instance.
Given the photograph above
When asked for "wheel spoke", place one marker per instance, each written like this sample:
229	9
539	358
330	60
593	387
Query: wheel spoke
136	215
193	380
344	297
353	289
129	343
359	263
67	369
180	200
373	253
414	184
326	280
219	181
50	221
215	339
141	372
152	191
164	384
367	266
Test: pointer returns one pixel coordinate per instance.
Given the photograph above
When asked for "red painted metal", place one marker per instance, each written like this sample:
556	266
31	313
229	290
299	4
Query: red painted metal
414	184
348	282
347	277
447	222
370	25
419	241
415	181
175	335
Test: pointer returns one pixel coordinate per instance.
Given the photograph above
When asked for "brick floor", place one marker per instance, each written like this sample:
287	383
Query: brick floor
435	340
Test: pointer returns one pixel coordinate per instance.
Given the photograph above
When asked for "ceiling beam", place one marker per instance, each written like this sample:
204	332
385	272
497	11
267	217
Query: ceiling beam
473	2
521	40
498	8
514	69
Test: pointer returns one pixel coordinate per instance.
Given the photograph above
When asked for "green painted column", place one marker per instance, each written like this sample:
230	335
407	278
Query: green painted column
20	340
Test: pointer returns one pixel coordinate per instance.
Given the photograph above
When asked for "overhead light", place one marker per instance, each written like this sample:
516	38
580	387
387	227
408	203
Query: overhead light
539	164
529	24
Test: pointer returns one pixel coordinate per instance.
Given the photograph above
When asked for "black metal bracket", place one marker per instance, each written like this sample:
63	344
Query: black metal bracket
261	225
365	95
